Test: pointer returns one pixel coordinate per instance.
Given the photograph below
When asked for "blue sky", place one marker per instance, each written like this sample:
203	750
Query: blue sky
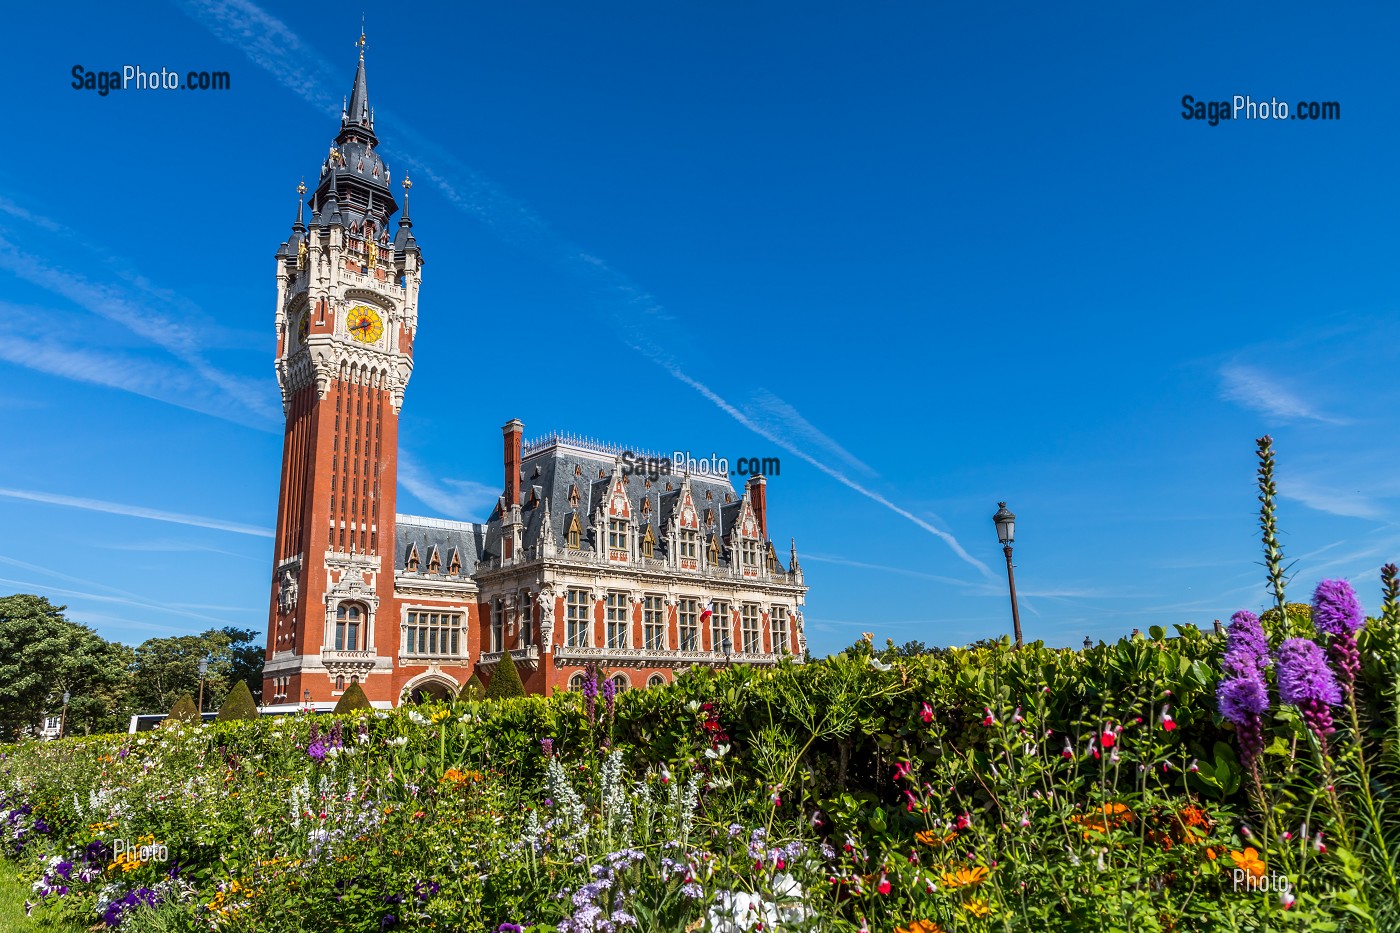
931	258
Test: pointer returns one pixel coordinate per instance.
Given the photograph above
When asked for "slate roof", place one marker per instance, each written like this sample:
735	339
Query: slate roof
412	531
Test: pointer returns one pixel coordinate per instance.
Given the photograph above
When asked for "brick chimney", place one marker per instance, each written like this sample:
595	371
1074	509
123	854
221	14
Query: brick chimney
758	495
514	431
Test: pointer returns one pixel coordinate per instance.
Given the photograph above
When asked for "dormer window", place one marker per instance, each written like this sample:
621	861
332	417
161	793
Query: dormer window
434	562
454	566
573	496
617	538
574	535
772	559
412	562
648	544
714	549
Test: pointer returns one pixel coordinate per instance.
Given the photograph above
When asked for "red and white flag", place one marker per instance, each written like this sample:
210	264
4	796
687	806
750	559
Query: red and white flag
708	611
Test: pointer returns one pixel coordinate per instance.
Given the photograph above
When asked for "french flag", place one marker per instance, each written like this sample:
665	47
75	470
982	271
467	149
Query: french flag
707	612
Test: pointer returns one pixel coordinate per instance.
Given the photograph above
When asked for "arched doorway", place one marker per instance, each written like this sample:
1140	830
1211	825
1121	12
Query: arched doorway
430	688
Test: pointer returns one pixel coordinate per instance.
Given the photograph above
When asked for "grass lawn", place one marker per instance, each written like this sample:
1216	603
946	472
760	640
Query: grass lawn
13	893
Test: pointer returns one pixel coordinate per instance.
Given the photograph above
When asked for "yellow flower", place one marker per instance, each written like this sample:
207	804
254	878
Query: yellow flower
964	876
977	907
1250	861
440	715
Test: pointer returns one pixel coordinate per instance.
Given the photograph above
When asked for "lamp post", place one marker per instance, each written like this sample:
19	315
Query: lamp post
203	669
63	716
307	697
1006	533
1088	643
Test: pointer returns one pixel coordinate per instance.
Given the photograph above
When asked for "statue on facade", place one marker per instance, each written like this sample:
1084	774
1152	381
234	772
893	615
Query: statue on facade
287	592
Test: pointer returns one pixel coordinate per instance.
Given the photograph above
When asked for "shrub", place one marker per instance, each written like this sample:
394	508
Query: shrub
238	704
473	689
505	682
184	710
352	699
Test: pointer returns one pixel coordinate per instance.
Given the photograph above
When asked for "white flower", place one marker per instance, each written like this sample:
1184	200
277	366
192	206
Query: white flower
741	911
880	665
717	753
417	717
399	742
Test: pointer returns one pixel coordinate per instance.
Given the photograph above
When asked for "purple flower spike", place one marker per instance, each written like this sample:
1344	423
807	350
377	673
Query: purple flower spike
1246	640
1305	681
1243	698
1336	610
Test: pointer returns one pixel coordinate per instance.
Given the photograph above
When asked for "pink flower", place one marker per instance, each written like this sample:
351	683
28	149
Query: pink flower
1319	846
1108	737
1195	766
1165	718
988	719
913	801
1016	716
1025	818
1094	749
964	821
901	770
884	886
926	714
1286	899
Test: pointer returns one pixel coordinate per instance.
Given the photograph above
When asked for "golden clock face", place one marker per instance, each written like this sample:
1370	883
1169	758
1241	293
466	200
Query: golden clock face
364	323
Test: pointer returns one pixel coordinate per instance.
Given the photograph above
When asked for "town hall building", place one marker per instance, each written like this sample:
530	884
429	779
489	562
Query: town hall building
584	560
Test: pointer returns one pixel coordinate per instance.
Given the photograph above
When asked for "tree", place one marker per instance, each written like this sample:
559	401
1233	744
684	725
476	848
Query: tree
473	689
184	710
42	656
352	699
165	668
239	704
505	682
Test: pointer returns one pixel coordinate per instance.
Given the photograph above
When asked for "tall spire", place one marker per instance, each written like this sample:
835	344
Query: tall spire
358	117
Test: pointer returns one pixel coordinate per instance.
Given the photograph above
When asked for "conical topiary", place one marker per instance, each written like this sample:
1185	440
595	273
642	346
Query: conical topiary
238	704
184	710
505	682
352	699
473	689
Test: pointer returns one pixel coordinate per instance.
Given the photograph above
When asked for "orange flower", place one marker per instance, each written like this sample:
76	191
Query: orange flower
964	876
977	907
1249	860
930	838
920	926
453	776
1104	818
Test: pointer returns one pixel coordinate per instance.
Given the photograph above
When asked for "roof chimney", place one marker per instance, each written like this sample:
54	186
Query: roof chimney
758	495
514	431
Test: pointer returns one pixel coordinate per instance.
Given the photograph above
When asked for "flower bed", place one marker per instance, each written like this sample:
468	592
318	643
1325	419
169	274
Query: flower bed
1028	790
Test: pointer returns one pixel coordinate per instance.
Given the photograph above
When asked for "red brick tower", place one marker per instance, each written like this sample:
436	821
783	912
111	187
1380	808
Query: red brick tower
347	311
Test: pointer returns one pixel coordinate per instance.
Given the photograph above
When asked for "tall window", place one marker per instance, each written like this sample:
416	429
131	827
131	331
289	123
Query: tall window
617	535
498	625
348	617
576	682
748	555
649	544
722	628
432	635
777	617
618	623
690	544
748	616
340	682
688	623
654	623
574	537
527	621
579	618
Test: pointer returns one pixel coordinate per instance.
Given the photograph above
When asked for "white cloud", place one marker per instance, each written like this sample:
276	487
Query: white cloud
1258	391
134	511
460	499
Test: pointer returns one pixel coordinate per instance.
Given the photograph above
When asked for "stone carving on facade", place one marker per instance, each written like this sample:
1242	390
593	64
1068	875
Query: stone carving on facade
287	592
545	602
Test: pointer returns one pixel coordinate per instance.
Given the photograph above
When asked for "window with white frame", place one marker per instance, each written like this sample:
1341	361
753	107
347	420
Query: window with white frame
617	535
432	634
690	544
748	554
578	613
778	620
348	619
616	616
498	626
527	621
654	623
748	624
722	628
688	623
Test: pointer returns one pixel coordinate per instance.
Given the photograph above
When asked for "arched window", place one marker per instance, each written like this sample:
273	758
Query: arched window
348	617
354	678
656	680
576	681
340	682
621	682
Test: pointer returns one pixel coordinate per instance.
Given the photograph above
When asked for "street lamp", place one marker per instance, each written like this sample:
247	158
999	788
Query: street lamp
63	717
1006	533
203	669
307	696
1088	643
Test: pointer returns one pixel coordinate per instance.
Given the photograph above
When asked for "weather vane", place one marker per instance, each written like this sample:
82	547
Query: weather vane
301	186
406	183
361	43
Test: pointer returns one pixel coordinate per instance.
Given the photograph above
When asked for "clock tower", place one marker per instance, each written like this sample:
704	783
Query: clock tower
346	316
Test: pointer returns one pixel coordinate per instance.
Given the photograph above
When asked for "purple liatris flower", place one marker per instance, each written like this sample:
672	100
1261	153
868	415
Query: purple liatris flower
1243	699
1245	641
1337	612
590	693
1305	681
1335	608
609	696
547	746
